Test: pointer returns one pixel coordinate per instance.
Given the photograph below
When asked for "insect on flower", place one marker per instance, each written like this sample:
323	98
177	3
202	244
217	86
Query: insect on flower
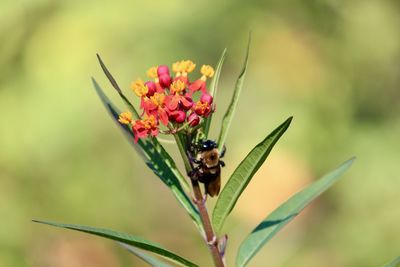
208	169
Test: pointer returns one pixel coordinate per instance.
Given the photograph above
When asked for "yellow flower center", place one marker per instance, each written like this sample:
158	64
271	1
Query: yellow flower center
188	66
149	122
183	67
207	71
177	86
176	67
201	106
152	73
158	99
139	88
125	118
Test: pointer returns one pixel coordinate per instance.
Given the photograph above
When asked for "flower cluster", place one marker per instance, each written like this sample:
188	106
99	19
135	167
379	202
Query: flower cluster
171	101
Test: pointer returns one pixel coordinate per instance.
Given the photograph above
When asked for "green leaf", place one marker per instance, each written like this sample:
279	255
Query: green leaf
145	257
156	158
213	90
227	120
117	88
243	175
393	263
284	214
126	239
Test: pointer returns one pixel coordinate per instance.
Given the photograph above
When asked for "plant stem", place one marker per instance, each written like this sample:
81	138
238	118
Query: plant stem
211	238
200	201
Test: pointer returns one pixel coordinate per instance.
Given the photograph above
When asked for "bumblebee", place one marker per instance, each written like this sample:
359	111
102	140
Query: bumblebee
208	170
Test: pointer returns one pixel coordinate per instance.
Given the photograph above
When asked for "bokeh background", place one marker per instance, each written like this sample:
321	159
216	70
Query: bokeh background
333	65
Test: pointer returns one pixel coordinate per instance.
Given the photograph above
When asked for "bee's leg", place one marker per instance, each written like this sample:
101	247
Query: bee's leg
192	147
222	163
194	160
192	173
222	154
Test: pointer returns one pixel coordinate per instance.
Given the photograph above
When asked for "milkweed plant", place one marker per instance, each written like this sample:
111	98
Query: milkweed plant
173	104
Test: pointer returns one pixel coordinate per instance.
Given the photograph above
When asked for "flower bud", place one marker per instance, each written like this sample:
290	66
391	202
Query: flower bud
161	70
193	119
179	116
152	88
165	80
206	98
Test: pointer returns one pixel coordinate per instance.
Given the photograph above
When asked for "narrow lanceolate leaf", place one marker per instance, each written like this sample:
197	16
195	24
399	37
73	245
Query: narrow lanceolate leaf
213	90
117	88
156	158
135	241
144	256
227	120
284	214
243	175
393	263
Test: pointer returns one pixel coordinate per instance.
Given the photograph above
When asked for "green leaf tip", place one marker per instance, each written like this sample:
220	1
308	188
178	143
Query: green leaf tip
214	89
243	174
108	74
125	239
117	88
287	211
228	117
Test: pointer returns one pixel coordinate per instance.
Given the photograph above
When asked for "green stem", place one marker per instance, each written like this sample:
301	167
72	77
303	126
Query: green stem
182	150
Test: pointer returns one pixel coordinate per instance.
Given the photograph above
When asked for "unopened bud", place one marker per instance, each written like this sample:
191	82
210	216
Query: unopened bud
206	98
179	116
193	119
163	69
165	80
152	88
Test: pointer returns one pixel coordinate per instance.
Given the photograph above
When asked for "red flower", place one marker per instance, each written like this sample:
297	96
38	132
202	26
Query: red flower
202	108
200	84
174	102
177	99
145	127
155	105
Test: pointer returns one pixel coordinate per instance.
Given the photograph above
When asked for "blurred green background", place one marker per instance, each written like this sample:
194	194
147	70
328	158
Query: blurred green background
333	65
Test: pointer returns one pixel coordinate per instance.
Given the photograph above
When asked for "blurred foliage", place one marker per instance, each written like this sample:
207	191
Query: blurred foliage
334	65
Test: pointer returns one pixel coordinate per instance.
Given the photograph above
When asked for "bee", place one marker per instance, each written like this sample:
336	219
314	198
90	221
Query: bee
208	170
